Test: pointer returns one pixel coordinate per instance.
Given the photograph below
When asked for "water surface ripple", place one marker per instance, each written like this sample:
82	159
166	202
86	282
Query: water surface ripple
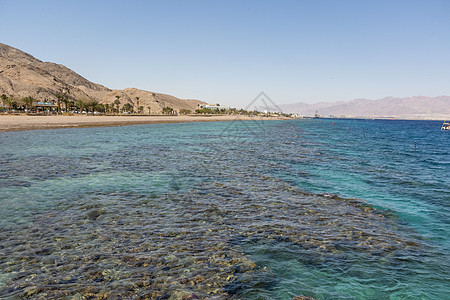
257	211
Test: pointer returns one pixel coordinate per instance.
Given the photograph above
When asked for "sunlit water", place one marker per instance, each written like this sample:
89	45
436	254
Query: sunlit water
333	209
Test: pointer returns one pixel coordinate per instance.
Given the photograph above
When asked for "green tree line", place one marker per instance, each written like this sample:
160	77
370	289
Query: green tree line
66	105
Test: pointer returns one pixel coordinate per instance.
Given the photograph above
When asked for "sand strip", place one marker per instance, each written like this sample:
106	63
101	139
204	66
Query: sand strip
24	122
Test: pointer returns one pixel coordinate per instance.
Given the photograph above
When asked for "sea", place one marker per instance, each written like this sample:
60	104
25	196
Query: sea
325	208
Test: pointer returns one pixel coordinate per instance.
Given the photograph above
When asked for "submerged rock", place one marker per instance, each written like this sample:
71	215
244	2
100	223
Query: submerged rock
189	245
301	297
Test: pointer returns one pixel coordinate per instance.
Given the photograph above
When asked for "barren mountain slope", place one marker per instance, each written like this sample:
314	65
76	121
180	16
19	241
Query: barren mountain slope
23	75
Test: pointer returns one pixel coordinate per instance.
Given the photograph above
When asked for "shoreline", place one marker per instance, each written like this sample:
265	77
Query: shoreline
25	122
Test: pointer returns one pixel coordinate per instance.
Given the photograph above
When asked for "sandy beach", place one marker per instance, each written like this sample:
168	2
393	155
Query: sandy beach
23	122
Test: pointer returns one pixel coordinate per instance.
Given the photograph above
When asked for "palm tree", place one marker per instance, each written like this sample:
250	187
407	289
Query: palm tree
10	102
59	98
92	103
101	107
18	104
71	104
4	99
80	104
28	101
127	107
117	102
137	102
167	110
66	103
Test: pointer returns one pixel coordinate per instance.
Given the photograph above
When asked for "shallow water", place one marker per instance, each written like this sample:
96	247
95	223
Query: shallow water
334	209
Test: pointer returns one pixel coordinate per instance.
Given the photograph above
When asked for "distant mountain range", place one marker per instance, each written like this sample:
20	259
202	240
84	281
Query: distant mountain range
23	75
419	107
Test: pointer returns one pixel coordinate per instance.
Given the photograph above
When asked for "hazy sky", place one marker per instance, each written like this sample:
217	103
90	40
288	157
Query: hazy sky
229	51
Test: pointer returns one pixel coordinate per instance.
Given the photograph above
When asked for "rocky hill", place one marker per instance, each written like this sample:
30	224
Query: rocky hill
419	107
23	75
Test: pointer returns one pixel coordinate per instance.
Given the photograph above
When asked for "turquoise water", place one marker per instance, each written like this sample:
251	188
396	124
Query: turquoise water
333	209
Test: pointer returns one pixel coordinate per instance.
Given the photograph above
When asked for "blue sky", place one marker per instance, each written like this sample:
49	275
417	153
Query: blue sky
229	51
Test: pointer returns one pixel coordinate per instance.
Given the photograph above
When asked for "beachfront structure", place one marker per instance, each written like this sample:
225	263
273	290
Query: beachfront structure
214	106
45	106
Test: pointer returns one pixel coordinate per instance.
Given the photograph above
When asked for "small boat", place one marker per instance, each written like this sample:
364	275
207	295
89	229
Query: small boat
446	125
